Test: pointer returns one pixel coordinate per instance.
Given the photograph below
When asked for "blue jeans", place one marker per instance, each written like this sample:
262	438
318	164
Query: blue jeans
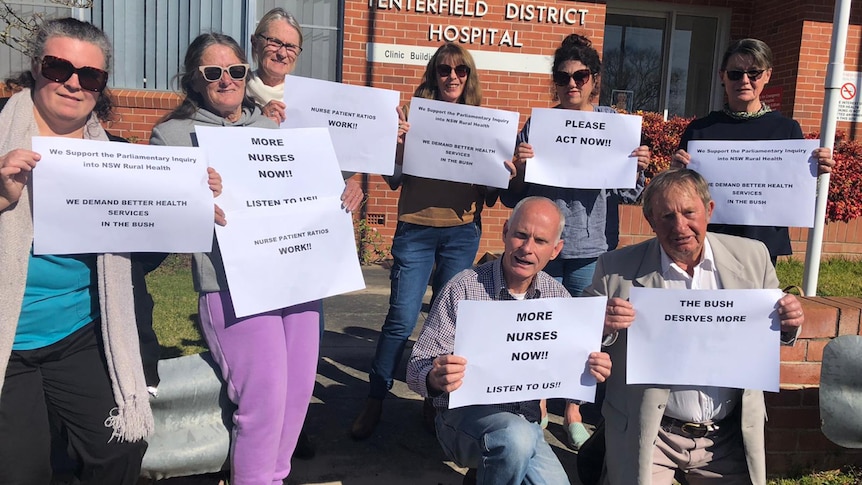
415	250
575	274
505	448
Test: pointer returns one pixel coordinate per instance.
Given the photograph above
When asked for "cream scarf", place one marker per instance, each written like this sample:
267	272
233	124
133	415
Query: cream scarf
132	418
261	93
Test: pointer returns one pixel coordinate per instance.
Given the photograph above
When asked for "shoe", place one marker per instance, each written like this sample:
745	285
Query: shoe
429	414
544	422
305	449
469	477
367	419
576	435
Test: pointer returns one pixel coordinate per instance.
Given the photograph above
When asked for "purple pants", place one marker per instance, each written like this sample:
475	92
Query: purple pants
269	362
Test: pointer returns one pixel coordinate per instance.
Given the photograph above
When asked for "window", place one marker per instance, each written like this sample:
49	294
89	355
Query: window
663	60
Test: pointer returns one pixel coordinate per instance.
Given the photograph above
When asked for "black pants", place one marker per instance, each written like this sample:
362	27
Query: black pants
68	380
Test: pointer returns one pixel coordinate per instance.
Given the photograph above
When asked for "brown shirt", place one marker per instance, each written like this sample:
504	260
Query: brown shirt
439	203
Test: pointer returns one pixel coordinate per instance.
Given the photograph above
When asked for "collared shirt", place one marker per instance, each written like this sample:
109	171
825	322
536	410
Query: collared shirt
483	283
697	404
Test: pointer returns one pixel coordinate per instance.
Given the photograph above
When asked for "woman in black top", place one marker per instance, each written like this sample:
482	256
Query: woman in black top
746	69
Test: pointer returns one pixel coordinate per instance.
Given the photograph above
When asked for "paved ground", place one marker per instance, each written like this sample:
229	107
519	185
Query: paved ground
400	451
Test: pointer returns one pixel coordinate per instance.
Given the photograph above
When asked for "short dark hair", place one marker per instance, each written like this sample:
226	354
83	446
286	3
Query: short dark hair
756	49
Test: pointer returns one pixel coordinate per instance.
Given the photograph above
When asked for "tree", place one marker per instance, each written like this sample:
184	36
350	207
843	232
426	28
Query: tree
17	28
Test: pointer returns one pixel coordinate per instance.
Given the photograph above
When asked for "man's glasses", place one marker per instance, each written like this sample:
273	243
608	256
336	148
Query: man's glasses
60	70
561	78
237	72
278	44
753	74
443	70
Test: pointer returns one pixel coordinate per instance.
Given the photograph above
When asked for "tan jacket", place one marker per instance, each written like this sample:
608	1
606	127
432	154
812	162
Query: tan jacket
633	412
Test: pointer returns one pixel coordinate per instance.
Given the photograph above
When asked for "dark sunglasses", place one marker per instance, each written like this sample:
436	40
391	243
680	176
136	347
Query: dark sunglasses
237	72
561	78
753	75
60	70
443	70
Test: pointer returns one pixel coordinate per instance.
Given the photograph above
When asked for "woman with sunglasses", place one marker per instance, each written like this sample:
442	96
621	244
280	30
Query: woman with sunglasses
746	69
438	230
68	337
268	360
575	75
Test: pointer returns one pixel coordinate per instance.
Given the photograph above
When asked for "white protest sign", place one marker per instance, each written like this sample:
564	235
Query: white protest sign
726	338
283	256
759	183
528	349
107	197
583	149
362	121
287	239
459	142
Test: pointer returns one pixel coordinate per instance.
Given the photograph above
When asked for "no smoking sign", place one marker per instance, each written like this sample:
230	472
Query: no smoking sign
848	91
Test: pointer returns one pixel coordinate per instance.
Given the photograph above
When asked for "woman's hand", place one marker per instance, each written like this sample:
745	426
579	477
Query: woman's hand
214	182
599	364
680	159
825	162
15	168
274	110
403	124
351	198
643	154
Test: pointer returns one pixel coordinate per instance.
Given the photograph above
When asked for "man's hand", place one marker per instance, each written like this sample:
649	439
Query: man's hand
790	312
600	365
619	314
447	373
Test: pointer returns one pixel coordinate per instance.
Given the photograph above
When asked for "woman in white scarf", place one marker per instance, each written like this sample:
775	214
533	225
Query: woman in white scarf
68	339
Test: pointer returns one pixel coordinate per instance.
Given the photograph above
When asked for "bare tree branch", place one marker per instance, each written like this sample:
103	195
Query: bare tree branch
16	29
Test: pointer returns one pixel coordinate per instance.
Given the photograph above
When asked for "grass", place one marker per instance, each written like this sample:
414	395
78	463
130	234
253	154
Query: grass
176	307
838	277
850	476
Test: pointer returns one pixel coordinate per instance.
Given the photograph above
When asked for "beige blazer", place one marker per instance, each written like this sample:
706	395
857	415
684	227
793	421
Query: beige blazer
633	412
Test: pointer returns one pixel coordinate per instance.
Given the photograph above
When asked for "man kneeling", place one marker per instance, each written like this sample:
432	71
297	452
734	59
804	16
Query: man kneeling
503	441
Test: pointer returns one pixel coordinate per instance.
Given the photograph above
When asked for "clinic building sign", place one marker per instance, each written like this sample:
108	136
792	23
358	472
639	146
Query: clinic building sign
849	106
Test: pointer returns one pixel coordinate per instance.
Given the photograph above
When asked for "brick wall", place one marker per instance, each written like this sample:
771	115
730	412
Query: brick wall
794	442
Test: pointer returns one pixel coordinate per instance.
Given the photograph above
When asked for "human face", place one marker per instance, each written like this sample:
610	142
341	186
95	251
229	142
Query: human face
63	107
452	85
277	61
223	97
679	219
531	240
571	95
744	94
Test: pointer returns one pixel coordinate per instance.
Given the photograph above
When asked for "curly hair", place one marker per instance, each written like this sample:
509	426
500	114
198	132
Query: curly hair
576	47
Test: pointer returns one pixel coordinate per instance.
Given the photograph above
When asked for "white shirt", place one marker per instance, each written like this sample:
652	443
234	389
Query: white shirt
697	404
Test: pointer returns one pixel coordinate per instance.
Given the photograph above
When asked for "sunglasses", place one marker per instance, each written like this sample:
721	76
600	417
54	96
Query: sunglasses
753	75
561	78
278	44
212	74
60	70
443	70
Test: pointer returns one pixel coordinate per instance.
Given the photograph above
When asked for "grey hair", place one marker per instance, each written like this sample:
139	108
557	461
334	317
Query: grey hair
756	49
674	178
268	18
516	212
73	29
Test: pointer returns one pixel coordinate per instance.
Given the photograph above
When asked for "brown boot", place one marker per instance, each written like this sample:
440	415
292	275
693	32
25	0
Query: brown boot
367	420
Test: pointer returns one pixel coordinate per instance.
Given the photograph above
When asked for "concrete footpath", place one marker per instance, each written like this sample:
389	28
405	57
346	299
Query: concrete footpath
401	451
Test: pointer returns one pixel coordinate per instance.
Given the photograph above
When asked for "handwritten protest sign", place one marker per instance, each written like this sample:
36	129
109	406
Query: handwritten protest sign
529	349
727	338
102	197
459	143
362	121
583	149
287	240
759	183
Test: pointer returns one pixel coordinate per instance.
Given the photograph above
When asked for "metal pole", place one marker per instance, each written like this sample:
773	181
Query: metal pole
834	79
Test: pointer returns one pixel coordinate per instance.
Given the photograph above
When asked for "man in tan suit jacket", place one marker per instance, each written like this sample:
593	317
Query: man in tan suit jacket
646	440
